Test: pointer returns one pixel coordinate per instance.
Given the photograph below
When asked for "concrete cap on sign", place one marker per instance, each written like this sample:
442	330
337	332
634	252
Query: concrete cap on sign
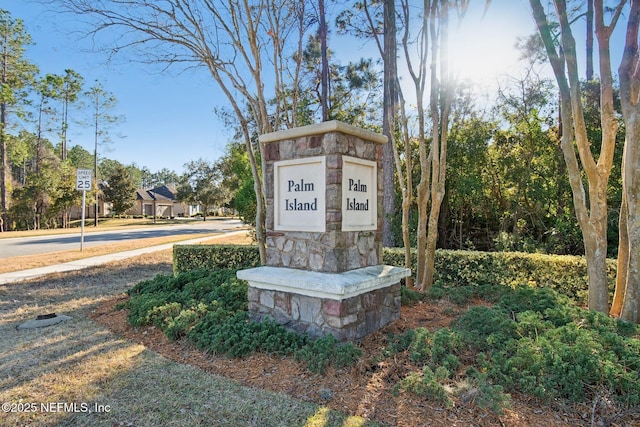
324	285
320	128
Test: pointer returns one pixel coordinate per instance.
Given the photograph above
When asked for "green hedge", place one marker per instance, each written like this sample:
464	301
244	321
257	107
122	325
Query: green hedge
563	273
212	257
566	274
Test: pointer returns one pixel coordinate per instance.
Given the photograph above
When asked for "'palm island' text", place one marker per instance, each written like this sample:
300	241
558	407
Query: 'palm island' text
294	204
352	203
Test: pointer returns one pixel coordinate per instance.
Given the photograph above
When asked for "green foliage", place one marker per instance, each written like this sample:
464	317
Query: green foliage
533	340
202	184
410	297
550	348
488	395
486	273
210	309
177	304
322	352
194	257
427	384
237	336
120	191
483	327
237	178
563	273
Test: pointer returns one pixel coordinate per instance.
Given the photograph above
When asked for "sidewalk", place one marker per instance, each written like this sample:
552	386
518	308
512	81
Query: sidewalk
18	276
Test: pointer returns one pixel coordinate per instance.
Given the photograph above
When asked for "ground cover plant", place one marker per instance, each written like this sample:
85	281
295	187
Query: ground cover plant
209	308
506	340
528	340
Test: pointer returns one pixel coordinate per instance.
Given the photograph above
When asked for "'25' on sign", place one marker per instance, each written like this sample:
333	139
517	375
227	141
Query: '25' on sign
83	179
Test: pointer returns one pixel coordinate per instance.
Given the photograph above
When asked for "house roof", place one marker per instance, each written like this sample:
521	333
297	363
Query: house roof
161	193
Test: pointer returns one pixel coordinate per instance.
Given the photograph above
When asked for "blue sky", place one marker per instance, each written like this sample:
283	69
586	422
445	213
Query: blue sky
170	116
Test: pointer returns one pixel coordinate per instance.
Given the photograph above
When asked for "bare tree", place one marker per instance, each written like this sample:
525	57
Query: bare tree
241	44
627	296
431	46
432	70
591	208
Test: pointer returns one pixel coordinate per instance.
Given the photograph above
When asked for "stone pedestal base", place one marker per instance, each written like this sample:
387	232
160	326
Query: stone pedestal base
348	305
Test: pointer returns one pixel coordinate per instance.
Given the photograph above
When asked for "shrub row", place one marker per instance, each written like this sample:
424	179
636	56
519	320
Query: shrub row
209	308
212	257
565	274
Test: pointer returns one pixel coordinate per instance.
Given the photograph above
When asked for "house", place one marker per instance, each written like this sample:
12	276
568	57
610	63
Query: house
104	207
161	202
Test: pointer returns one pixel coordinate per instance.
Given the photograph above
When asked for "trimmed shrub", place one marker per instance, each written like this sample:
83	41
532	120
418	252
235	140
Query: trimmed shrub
213	257
563	273
325	351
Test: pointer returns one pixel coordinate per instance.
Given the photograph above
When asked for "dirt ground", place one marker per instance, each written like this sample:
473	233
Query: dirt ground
366	388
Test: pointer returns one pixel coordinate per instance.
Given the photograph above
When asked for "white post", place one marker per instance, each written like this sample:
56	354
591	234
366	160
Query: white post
84	198
83	183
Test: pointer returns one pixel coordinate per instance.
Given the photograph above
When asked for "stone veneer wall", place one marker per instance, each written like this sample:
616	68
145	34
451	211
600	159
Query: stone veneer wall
333	251
348	319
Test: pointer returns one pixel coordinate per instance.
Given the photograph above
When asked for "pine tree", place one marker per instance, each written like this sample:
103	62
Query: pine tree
15	75
120	191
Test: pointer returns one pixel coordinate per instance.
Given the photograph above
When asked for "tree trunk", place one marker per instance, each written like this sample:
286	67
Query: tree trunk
324	72
591	215
388	122
595	246
631	187
623	258
4	158
441	97
589	40
628	279
406	184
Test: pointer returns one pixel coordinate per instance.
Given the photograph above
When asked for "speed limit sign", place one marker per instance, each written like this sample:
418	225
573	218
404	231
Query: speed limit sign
83	179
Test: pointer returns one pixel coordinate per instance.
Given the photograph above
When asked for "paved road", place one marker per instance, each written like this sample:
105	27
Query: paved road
62	242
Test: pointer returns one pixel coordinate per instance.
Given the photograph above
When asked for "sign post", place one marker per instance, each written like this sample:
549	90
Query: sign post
83	183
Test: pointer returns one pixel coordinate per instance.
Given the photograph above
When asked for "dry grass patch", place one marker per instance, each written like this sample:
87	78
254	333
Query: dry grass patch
41	260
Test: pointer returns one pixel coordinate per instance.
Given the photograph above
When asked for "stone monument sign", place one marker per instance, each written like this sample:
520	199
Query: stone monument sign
323	273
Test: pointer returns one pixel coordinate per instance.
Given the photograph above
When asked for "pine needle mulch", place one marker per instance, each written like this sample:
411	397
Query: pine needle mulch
364	390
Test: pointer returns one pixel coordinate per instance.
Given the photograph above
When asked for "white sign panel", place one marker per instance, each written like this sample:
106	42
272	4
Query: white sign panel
84	178
359	194
299	195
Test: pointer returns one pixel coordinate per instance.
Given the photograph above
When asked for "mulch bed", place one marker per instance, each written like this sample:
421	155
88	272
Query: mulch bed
364	389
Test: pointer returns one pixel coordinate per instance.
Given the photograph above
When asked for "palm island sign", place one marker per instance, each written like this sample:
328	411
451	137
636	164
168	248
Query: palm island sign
323	271
359	190
300	194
